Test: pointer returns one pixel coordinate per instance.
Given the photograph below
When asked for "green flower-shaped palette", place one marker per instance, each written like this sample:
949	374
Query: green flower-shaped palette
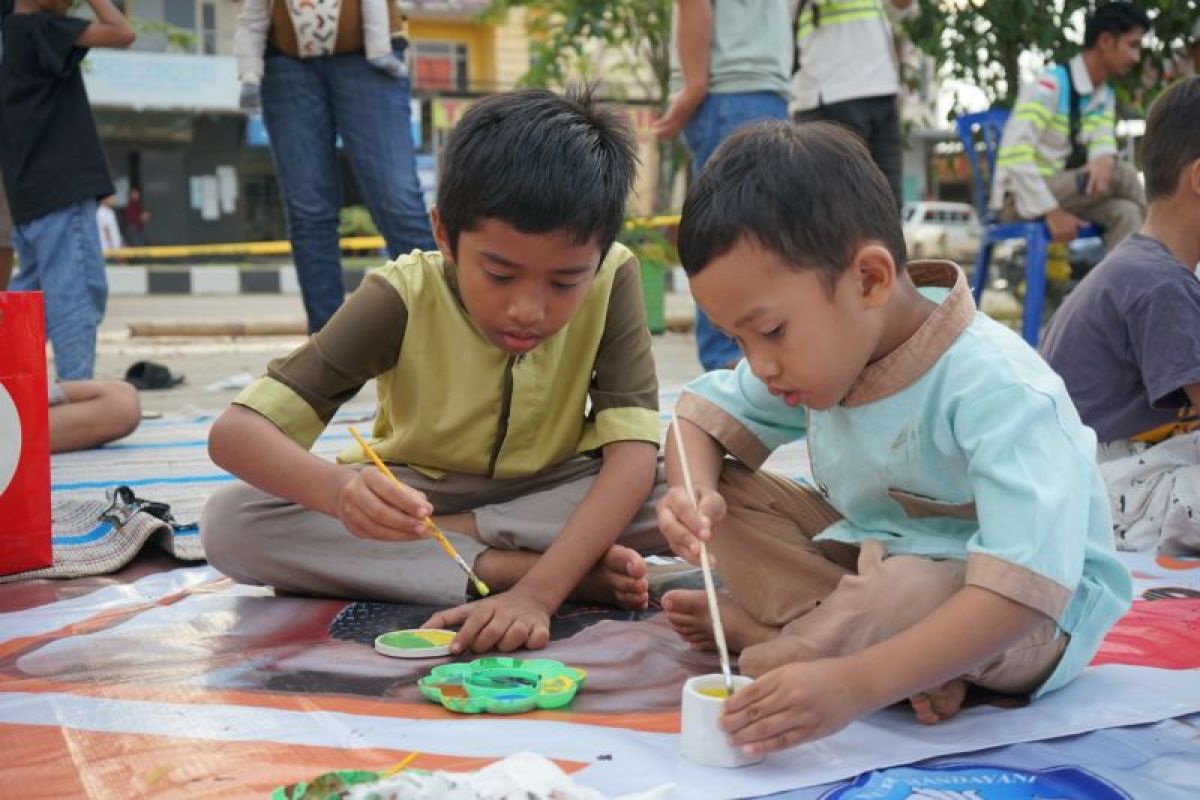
499	685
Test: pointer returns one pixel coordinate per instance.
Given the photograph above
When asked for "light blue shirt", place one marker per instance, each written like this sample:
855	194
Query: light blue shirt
981	458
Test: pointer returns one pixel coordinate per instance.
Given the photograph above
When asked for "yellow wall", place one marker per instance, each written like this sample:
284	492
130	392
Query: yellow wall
497	54
479	39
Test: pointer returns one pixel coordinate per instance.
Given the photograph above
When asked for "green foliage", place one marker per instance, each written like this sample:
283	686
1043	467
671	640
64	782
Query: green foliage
980	41
177	38
563	33
356	221
566	35
651	246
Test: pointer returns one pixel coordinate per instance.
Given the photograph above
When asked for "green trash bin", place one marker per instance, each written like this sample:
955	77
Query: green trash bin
654	287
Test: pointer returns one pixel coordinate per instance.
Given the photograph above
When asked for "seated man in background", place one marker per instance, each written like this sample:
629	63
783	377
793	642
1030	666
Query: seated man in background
1058	154
1127	344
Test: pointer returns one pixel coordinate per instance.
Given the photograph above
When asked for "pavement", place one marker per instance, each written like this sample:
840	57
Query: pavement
207	360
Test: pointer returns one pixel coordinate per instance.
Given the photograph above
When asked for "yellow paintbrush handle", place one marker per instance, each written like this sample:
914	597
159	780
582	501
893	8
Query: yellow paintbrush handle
480	586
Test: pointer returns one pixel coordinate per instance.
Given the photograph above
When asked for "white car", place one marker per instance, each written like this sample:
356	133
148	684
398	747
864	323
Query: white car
936	229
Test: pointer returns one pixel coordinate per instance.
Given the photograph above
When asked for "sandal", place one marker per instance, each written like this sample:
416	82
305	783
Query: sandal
147	375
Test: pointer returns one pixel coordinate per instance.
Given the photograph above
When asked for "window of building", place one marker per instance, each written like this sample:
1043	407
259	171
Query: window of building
208	28
440	66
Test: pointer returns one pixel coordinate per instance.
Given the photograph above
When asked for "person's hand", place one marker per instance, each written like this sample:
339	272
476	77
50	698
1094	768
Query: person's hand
390	64
684	526
251	97
1064	226
372	506
505	622
1100	175
679	113
791	704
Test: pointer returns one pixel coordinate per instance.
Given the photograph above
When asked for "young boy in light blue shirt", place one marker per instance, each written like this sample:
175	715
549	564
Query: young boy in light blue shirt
959	530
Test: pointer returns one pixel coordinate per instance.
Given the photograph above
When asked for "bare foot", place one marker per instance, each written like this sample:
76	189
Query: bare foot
687	611
619	577
935	705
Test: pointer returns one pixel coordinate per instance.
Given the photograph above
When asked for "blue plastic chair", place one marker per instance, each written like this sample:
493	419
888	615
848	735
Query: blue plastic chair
987	127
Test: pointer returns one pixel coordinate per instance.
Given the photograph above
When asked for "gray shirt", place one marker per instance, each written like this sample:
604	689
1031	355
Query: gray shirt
751	48
1127	341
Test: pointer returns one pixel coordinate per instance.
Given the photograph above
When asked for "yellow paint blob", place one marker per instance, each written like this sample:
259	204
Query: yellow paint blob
718	692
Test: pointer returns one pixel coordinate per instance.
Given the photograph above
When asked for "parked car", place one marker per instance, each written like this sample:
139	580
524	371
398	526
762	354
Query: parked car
936	229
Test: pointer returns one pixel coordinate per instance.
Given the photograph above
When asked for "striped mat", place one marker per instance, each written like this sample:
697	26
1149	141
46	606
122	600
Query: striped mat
166	461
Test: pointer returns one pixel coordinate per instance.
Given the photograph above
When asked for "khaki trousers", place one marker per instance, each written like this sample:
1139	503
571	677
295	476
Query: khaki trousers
831	599
257	538
1120	211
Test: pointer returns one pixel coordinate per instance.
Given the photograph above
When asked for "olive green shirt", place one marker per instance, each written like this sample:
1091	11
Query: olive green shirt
449	399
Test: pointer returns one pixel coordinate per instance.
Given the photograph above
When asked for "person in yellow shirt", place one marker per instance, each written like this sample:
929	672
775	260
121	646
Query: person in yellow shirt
516	395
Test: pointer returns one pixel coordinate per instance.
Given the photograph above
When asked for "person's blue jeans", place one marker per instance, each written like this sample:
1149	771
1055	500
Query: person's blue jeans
306	104
60	256
717	117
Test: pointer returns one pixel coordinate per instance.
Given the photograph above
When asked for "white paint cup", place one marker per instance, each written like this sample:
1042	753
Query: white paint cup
703	740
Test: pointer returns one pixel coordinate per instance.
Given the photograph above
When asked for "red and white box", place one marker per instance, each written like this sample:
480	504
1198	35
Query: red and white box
24	435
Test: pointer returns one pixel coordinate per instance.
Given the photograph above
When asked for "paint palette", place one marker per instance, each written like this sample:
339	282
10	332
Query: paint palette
499	685
415	643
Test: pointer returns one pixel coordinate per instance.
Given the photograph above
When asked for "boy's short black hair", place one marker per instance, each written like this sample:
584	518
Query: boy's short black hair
1172	139
540	162
808	192
1115	18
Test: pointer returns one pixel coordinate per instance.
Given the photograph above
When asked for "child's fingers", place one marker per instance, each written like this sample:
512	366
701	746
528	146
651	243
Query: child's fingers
448	618
515	637
374	518
493	633
776	732
682	542
539	637
410	501
478	618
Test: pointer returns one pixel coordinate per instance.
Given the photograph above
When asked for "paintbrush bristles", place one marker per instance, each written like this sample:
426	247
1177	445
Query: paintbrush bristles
480	586
710	588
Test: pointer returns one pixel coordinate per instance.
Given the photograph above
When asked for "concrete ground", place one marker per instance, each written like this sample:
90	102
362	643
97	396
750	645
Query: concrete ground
208	359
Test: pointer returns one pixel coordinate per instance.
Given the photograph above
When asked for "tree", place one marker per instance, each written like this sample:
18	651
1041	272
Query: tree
980	42
635	37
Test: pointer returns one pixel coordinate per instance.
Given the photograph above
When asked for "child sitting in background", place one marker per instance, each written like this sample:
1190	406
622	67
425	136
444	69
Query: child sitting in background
316	26
958	532
87	414
1127	343
517	396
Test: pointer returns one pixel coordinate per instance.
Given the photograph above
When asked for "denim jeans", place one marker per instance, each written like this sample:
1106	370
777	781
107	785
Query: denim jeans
306	104
717	117
60	256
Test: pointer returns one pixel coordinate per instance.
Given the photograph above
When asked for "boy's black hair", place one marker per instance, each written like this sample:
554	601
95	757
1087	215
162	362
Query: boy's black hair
808	192
1172	139
1115	18
540	162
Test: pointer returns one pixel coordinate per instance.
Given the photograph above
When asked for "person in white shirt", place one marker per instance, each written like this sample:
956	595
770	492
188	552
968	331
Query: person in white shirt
106	221
846	73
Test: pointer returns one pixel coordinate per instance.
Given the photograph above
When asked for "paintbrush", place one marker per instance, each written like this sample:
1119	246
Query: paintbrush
400	767
710	588
480	586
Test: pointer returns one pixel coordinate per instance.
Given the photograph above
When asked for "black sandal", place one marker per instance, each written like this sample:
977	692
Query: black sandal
148	375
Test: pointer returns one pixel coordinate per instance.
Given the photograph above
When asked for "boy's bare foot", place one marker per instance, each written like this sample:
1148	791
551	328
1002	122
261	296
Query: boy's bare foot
687	611
619	577
942	703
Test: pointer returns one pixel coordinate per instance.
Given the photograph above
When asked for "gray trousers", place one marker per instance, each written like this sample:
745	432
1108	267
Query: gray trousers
257	538
1120	211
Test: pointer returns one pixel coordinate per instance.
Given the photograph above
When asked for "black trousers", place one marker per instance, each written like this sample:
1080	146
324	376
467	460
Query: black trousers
877	121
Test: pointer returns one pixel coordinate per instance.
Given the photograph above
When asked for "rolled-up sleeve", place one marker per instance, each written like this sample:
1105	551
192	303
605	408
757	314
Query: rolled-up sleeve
737	410
301	391
624	385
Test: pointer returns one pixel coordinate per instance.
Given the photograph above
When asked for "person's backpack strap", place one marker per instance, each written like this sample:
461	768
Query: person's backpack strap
1078	156
796	31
